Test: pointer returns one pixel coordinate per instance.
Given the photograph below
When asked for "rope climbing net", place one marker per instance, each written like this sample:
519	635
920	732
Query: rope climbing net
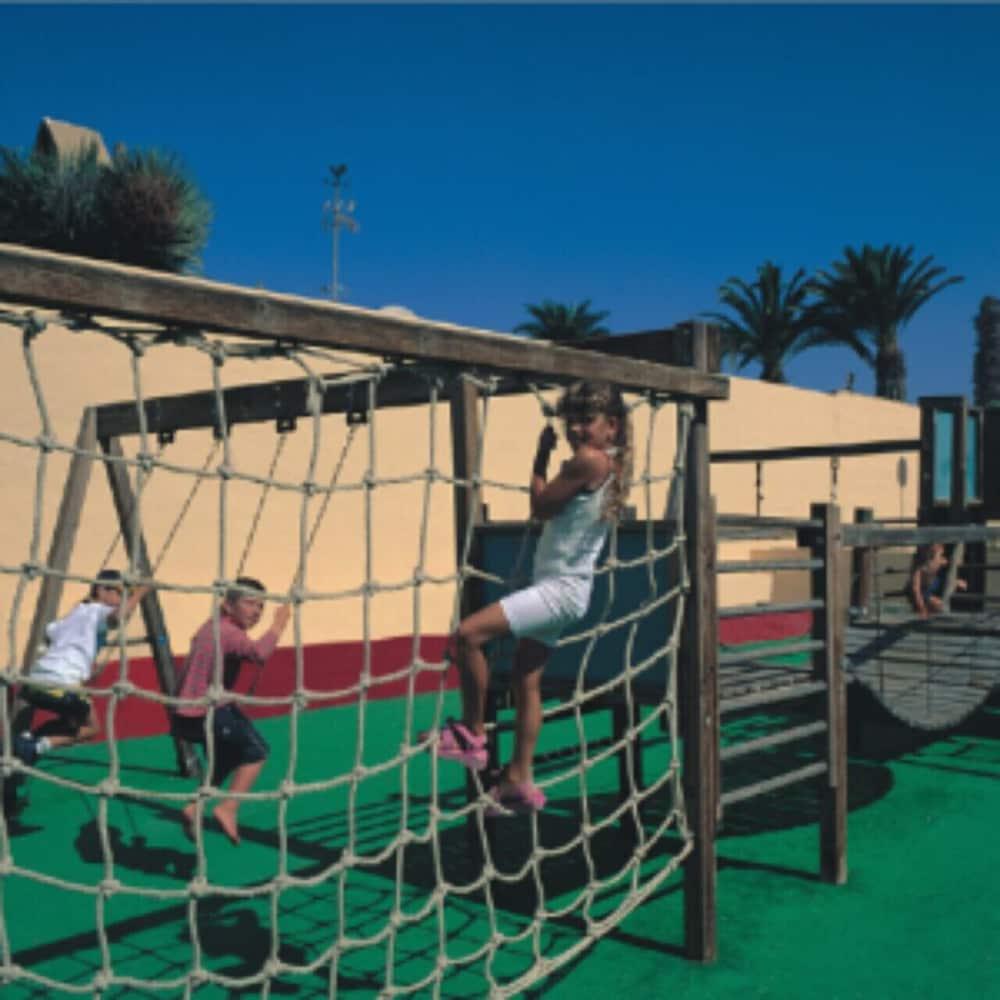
367	865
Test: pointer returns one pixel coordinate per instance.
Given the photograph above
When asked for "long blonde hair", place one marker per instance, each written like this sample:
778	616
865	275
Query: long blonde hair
588	399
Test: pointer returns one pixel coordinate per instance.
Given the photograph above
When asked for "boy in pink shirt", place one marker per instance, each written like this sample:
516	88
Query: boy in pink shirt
239	748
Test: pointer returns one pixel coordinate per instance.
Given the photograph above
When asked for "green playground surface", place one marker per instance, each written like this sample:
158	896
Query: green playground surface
915	919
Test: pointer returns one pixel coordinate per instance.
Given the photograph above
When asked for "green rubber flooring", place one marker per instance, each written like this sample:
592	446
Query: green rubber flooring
917	917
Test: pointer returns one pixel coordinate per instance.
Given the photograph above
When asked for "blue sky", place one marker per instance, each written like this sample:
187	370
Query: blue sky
633	155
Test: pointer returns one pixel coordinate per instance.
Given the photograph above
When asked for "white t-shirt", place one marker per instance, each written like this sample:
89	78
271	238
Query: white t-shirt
73	644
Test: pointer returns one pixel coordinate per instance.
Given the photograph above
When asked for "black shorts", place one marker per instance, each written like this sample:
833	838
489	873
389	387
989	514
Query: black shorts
73	709
236	739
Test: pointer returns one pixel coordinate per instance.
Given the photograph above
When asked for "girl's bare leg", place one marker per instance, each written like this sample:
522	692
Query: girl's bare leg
527	684
473	670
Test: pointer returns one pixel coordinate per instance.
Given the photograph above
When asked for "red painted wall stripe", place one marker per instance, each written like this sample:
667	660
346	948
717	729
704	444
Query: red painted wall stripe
334	670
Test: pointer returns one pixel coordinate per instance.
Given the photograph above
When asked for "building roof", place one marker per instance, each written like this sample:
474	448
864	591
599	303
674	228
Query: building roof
66	139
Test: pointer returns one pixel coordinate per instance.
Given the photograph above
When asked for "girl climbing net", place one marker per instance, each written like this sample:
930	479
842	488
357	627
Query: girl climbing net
577	507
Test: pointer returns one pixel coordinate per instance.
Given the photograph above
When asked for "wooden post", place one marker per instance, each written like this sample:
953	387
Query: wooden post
828	627
863	566
64	533
698	688
464	448
464	451
60	550
152	611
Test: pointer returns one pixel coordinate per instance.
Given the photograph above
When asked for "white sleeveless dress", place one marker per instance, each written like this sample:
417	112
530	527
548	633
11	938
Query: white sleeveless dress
563	574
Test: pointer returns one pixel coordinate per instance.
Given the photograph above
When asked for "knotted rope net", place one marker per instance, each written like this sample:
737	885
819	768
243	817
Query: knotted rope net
366	867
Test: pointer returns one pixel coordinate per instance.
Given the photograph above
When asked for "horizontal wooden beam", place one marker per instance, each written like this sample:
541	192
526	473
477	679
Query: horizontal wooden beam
673	345
816	451
81	285
256	402
875	536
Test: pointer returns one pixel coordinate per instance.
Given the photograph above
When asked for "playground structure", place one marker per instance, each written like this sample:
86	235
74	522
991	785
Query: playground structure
665	561
928	673
405	363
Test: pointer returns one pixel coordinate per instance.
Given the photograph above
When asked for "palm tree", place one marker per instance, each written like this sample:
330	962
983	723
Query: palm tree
867	298
556	321
141	208
771	321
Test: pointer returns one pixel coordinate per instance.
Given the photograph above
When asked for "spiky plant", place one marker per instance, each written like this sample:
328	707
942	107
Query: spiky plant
154	214
141	209
50	202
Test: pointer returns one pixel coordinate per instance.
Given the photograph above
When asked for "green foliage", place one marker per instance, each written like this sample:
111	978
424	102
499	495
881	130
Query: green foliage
556	321
768	319
49	202
140	209
866	299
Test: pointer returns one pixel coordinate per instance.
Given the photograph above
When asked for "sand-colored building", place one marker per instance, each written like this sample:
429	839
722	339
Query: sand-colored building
370	543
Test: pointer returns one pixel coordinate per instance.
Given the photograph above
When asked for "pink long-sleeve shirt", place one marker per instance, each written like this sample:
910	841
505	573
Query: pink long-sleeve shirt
237	648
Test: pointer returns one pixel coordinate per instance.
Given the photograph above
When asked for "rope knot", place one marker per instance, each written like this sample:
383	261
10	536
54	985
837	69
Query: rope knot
199	887
109	787
33	326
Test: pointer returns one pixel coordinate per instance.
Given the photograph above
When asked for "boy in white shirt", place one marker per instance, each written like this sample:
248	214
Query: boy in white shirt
54	680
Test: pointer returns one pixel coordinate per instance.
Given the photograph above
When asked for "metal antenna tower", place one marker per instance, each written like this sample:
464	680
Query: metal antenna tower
337	216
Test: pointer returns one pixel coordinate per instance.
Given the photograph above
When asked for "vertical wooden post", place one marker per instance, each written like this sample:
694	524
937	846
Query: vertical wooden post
60	550
64	533
828	627
698	686
152	611
464	448
863	566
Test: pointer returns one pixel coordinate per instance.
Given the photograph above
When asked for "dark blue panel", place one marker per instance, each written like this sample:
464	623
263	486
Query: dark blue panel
629	603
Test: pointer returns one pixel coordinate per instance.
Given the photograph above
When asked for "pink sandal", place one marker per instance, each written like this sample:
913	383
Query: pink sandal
457	742
519	800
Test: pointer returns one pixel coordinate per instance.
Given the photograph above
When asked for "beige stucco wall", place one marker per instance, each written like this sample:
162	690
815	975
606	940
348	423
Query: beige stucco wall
761	415
78	369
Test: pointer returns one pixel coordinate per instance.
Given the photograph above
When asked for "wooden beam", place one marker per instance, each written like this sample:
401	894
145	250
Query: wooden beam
76	284
465	450
863	565
256	402
828	627
152	612
699	698
64	534
878	536
817	451
674	345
